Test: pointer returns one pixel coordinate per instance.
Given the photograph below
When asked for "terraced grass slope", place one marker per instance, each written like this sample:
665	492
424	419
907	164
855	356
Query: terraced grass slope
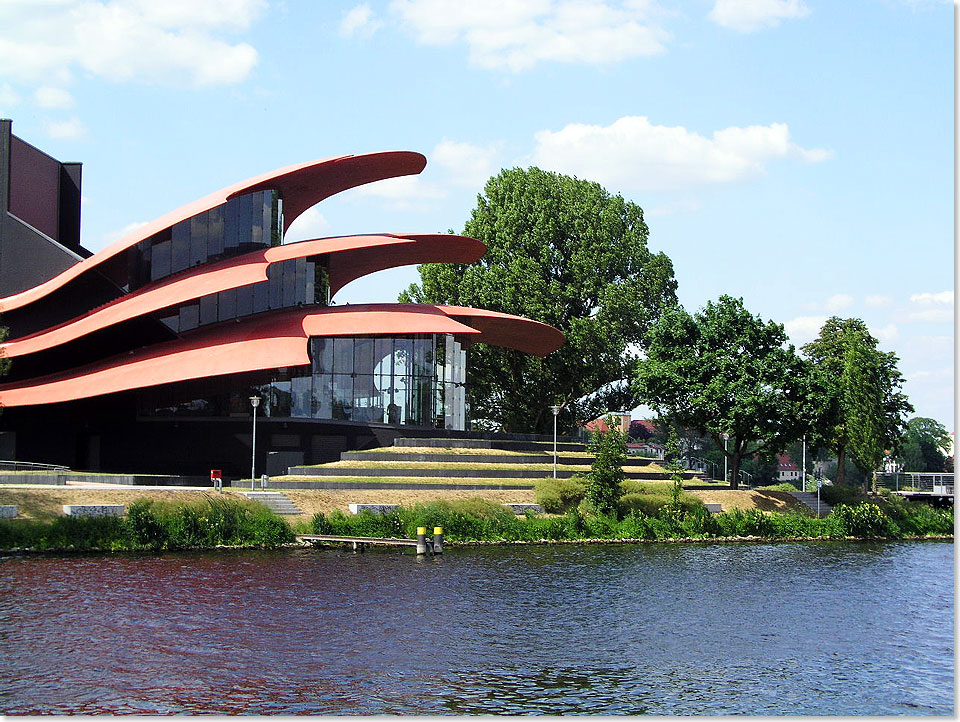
456	463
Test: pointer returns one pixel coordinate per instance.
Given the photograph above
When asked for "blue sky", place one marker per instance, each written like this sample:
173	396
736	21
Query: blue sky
796	153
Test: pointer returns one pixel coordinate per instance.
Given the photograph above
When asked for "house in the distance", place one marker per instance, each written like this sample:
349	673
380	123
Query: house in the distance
787	471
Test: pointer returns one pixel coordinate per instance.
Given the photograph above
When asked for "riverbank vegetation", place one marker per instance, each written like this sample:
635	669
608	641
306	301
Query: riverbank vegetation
155	526
478	521
212	522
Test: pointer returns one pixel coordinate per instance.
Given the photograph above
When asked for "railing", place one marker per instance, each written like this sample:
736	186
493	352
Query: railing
932	482
30	466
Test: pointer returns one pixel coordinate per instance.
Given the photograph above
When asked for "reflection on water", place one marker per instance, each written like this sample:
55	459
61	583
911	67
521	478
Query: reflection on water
818	628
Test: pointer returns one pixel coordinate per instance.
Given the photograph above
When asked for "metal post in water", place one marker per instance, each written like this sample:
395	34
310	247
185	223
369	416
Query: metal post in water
421	540
438	540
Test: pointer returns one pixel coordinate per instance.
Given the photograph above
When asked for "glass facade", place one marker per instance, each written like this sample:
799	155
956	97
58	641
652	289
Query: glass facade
294	282
417	380
242	224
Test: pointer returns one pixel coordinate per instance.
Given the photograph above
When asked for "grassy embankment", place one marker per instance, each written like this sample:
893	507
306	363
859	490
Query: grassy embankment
184	520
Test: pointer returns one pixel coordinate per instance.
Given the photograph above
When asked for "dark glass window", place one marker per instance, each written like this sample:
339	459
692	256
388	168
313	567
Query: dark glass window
208	309
180	257
321	402
275	276
343	356
245	234
198	239
244	301
189	316
160	260
300	392
215	233
363	360
321	352
171	318
289	297
231	227
228	305
261	296
342	397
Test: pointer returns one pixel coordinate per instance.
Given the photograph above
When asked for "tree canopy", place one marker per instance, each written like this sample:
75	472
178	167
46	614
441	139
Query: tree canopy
567	253
722	372
925	445
863	411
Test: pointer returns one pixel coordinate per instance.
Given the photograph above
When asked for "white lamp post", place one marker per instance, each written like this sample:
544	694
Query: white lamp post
803	467
555	410
725	479
254	402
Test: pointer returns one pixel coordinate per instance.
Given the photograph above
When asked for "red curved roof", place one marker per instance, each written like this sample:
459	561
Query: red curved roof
273	340
301	186
350	258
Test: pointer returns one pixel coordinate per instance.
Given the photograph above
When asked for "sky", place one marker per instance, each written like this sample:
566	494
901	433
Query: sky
798	154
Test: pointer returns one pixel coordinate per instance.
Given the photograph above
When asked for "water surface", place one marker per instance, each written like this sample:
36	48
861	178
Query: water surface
759	629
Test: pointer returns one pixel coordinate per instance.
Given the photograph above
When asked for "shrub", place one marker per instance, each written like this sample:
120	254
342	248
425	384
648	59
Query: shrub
606	475
834	494
782	486
557	496
144	529
864	520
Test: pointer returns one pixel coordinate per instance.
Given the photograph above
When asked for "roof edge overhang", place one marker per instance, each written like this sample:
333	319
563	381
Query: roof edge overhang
301	186
273	340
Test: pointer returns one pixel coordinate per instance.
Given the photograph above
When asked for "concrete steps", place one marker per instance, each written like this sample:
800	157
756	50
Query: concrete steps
274	500
809	498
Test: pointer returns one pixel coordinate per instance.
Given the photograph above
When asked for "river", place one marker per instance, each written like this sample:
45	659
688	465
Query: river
826	628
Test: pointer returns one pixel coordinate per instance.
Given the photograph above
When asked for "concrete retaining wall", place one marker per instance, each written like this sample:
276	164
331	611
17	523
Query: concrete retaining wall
8	511
94	509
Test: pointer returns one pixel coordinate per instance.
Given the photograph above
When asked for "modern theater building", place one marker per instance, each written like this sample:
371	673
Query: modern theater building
144	356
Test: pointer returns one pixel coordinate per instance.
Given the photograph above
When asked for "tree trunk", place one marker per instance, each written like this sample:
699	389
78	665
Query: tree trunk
841	461
735	471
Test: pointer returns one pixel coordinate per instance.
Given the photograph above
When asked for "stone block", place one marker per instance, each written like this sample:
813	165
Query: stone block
93	509
714	508
522	508
376	509
8	511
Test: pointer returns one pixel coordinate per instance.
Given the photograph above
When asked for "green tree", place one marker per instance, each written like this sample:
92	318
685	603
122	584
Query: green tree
863	410
564	252
609	448
725	371
925	445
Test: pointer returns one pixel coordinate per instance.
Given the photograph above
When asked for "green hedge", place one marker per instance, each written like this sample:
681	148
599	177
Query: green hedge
479	520
155	526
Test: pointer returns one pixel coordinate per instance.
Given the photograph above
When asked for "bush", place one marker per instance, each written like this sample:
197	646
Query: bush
782	486
864	520
834	494
606	475
557	496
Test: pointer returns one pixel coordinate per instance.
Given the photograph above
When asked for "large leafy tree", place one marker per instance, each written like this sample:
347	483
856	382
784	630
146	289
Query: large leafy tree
925	445
864	411
568	253
724	371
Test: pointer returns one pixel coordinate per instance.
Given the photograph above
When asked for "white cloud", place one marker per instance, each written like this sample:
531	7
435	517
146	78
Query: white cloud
466	164
888	333
804	329
878	301
633	153
402	193
8	97
926	299
932	315
53	98
170	42
684	205
71	129
838	302
361	21
114	236
308	225
748	16
518	34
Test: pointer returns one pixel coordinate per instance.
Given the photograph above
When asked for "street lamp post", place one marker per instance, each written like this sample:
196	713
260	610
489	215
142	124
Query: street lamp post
254	402
555	410
725	479
803	466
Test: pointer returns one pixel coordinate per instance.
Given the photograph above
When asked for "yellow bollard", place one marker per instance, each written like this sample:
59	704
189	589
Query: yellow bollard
438	540
421	540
